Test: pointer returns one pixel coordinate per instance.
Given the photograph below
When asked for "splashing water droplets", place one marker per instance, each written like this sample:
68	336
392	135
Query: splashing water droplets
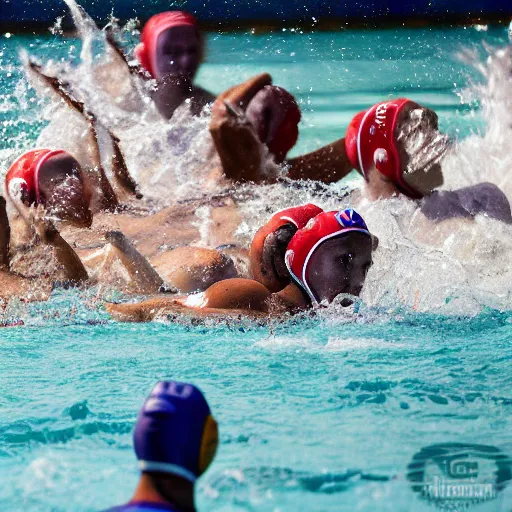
454	267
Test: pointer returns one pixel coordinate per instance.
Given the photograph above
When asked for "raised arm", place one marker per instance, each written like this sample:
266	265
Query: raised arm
236	141
119	168
67	257
135	69
239	142
241	94
48	233
143	274
328	164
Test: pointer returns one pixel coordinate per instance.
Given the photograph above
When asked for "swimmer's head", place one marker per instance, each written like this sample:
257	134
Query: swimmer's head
171	45
63	190
175	432
268	248
275	115
54	179
331	256
402	141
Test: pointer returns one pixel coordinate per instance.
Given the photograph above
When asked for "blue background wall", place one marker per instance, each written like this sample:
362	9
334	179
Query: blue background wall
46	11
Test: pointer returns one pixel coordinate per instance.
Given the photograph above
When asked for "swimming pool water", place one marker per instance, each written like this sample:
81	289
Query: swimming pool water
333	75
319	414
297	408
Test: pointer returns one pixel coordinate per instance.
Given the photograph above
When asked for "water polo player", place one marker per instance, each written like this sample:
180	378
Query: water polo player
397	147
249	116
171	50
46	185
54	180
175	440
328	257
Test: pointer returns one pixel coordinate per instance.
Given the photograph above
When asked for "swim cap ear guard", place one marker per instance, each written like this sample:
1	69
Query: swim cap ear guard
209	444
175	431
275	115
266	247
370	141
22	179
307	240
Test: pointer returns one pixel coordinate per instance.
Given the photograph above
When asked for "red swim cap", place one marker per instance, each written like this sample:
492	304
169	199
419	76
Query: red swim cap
22	180
145	51
370	140
306	241
299	216
276	116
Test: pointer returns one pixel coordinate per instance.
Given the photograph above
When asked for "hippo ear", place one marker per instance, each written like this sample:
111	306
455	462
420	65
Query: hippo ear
375	242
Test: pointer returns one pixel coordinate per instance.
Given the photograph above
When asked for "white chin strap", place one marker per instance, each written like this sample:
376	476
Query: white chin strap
306	286
164	467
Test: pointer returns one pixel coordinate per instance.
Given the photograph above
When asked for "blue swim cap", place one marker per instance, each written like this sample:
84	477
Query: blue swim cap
175	431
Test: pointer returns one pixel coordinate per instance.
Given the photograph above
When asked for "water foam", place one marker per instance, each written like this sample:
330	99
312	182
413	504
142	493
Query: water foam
166	158
456	267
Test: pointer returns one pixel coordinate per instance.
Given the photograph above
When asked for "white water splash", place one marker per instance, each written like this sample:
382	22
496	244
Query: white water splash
166	158
455	267
285	343
487	155
344	344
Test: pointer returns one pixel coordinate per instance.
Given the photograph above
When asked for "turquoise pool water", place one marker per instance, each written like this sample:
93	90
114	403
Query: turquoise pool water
320	414
333	75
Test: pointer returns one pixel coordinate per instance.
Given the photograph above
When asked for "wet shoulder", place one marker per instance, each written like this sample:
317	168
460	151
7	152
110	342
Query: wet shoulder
481	199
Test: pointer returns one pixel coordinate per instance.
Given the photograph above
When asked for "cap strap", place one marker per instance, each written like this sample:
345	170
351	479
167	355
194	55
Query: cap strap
164	467
359	153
